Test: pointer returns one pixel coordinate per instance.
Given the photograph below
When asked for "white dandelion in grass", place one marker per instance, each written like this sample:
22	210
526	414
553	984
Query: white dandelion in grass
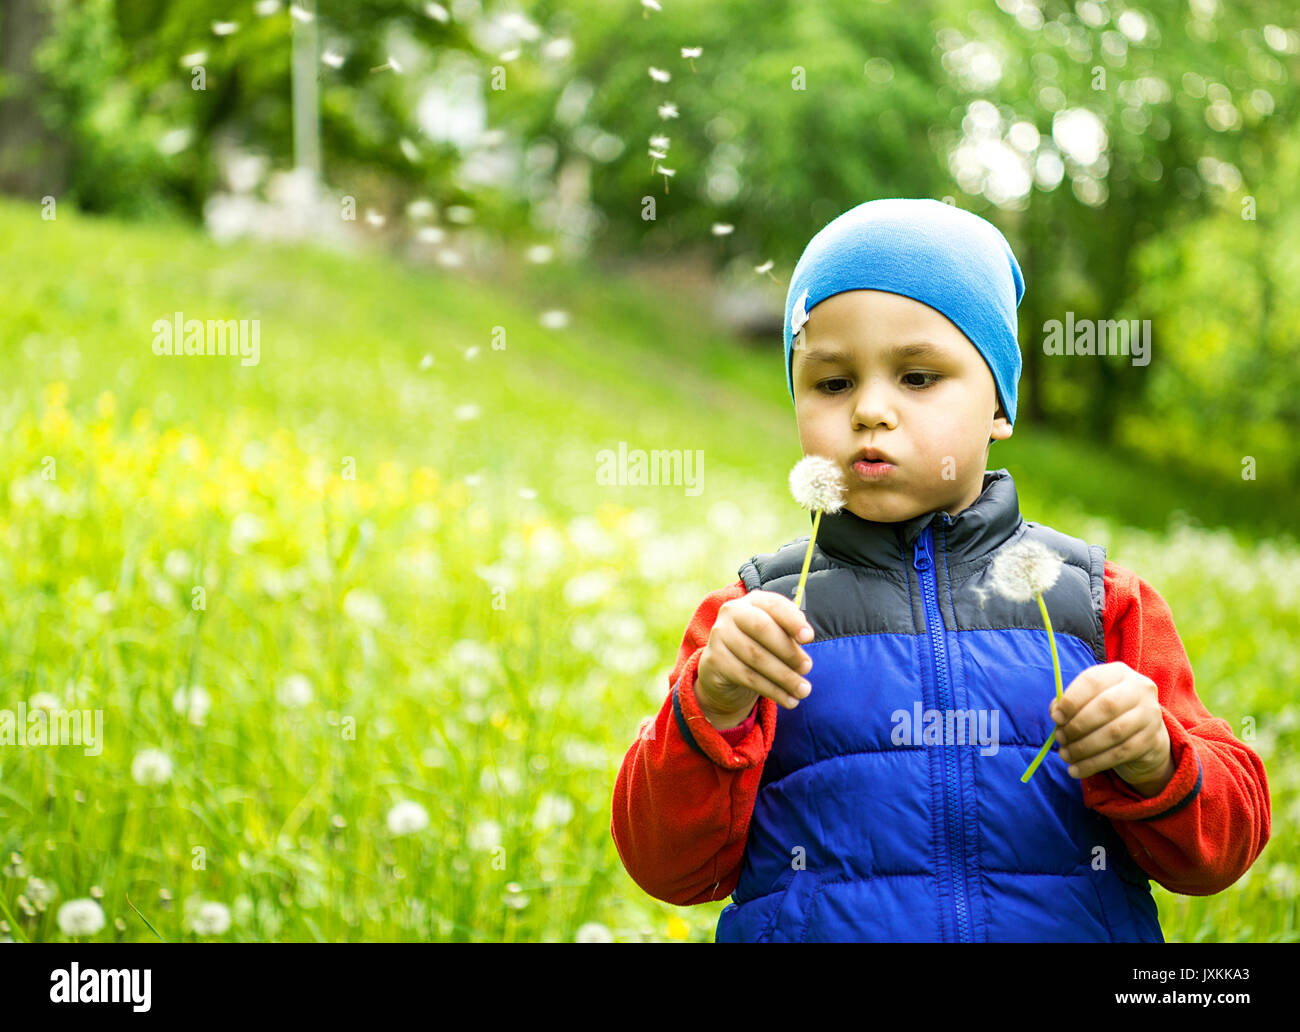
407	817
209	918
364	607
818	485
151	767
80	917
192	702
40	892
43	701
295	691
553	811
593	931
1020	572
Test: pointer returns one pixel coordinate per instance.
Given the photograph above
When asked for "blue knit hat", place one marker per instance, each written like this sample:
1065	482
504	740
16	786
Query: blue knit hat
943	256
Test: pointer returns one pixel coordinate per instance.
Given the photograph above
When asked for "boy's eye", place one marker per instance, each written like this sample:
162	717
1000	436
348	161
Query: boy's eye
931	379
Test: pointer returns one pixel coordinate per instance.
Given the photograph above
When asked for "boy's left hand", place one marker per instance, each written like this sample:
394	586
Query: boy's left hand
1110	717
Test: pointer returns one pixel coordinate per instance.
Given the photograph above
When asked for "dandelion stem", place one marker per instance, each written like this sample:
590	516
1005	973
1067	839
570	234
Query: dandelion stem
807	560
1056	670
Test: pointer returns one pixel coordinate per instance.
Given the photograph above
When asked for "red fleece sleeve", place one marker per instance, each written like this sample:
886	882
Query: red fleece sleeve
1207	826
685	791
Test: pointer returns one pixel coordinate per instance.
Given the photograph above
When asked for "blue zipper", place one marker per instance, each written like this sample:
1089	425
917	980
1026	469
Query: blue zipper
923	560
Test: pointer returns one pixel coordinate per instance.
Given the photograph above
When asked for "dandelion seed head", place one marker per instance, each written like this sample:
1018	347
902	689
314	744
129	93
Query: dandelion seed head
765	267
667	110
722	228
407	817
80	917
593	931
1024	570
151	767
818	483
692	51
661	142
210	918
659	75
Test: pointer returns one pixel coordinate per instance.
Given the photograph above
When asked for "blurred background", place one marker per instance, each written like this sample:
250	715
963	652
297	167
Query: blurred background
369	628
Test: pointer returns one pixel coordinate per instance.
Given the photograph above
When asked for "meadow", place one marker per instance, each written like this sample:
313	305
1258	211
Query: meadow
370	636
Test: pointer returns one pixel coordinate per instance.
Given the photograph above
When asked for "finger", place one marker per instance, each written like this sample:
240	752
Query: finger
767	622
1112	733
1083	689
789	617
746	663
1125	751
1100	710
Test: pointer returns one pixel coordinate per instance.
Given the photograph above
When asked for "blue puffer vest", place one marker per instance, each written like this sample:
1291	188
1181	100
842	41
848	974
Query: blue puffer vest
879	820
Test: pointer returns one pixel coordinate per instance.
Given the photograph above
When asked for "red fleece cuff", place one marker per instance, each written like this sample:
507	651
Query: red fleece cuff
1108	793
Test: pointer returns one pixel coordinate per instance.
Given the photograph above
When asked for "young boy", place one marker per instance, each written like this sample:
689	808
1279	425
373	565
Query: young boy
799	762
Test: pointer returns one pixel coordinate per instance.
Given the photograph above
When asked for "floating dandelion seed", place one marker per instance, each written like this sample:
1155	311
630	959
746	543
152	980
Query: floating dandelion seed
196	58
390	63
667	110
766	268
691	53
264	8
510	55
301	14
437	12
224	28
426	362
80	917
659	75
540	254
660	142
817	484
658	156
409	150
722	228
1020	572
666	172
555	319
374	218
334	60
649	5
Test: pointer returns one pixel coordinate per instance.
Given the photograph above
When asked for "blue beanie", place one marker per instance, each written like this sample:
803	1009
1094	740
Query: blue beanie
943	256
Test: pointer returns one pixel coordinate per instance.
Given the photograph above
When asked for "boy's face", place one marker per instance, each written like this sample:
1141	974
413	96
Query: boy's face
931	415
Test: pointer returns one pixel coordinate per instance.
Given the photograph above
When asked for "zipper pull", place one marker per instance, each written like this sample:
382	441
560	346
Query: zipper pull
922	558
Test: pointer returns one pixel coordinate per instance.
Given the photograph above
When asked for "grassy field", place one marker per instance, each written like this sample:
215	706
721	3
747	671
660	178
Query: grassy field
378	569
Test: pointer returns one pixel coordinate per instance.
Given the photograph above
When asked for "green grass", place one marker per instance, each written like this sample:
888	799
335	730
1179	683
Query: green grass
171	473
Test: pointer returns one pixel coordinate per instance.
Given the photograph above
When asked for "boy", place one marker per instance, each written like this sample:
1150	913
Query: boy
795	763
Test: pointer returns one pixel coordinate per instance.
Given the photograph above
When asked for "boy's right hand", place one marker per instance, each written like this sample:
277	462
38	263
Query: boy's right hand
753	650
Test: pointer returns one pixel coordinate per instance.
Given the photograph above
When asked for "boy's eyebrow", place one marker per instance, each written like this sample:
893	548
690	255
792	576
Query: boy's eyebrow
913	349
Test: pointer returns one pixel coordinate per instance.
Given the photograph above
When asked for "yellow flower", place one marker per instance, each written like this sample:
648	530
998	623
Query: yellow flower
56	394
678	929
